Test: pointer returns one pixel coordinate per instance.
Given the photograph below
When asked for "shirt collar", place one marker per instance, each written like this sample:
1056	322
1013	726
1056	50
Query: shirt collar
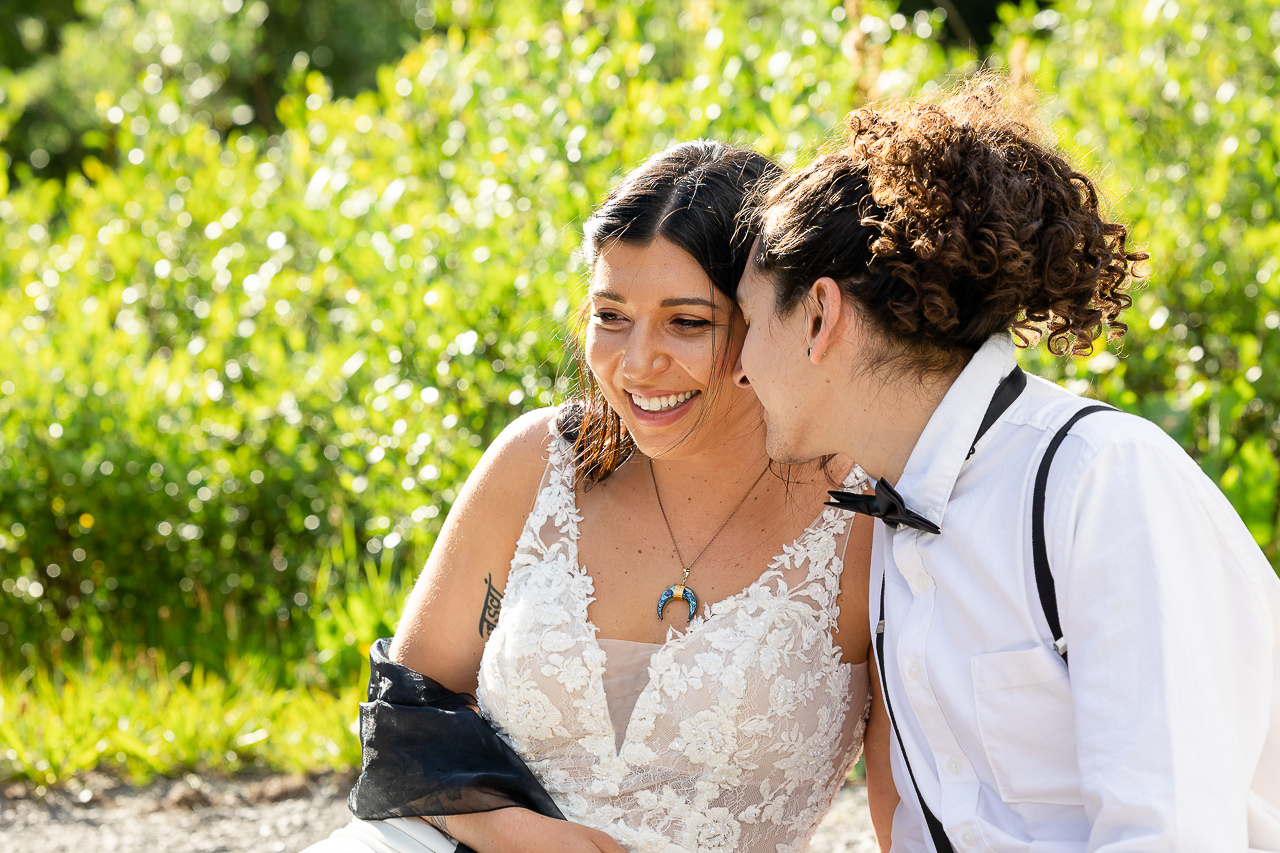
936	460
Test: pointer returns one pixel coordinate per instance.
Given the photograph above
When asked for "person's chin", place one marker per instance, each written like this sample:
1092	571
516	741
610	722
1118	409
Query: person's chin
781	448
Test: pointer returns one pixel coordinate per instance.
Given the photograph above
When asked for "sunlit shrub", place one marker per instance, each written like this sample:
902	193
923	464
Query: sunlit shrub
245	375
136	718
1177	104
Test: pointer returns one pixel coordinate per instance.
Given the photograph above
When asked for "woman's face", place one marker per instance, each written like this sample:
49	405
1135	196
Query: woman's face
661	342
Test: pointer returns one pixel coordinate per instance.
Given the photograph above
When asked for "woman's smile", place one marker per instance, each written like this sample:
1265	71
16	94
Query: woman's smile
661	408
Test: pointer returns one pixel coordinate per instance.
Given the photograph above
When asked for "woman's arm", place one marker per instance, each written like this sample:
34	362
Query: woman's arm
855	628
521	831
454	603
881	793
454	606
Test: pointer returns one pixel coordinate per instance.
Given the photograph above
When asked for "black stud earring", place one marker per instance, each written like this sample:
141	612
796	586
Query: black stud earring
811	351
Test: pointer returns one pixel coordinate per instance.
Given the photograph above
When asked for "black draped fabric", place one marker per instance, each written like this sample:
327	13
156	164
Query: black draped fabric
427	752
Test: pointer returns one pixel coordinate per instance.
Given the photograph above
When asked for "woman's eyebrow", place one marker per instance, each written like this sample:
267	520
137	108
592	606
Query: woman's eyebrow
673	302
688	300
611	295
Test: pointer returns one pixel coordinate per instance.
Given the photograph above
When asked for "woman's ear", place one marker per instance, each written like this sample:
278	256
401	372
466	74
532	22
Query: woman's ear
827	310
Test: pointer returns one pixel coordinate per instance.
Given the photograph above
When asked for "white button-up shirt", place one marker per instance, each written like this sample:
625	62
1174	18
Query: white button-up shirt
1164	735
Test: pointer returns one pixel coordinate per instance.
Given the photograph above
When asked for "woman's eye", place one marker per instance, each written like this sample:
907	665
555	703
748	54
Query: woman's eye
608	317
691	323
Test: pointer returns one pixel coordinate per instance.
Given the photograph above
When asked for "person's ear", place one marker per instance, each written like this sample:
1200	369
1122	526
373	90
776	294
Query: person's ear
827	310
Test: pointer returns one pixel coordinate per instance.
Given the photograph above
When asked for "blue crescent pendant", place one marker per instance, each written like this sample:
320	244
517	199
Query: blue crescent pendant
675	591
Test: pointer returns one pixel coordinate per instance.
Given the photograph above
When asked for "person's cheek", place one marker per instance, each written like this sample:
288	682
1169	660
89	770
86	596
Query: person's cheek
602	355
749	346
593	352
696	358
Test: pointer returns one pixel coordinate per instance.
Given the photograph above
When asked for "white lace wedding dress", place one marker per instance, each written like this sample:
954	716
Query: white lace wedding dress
733	736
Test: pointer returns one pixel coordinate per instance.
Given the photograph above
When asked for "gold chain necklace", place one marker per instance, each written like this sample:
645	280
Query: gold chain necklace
681	590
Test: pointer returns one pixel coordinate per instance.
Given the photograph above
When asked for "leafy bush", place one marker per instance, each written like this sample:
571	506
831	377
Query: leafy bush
250	372
1176	104
246	374
65	63
254	371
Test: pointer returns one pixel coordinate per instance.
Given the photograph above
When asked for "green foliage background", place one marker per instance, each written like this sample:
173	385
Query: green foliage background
1175	104
250	352
255	369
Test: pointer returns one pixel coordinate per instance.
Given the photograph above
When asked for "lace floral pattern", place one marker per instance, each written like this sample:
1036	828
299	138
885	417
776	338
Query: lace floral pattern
740	738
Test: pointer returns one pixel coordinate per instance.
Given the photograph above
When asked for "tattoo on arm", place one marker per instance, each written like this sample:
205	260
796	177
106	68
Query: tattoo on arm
438	822
492	605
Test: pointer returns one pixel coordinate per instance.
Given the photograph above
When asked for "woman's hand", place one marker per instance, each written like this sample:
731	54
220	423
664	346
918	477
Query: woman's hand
517	830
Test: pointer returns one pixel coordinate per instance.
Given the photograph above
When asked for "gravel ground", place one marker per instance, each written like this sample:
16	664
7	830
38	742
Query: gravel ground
280	813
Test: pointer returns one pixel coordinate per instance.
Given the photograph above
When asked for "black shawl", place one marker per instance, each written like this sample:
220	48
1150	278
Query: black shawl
427	752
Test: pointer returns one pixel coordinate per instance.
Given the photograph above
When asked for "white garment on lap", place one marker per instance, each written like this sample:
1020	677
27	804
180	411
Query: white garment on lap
397	835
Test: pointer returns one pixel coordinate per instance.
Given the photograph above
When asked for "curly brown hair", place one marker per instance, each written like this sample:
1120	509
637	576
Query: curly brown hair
950	221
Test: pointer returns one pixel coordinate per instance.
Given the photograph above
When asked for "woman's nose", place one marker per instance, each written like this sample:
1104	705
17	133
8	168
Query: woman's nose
643	356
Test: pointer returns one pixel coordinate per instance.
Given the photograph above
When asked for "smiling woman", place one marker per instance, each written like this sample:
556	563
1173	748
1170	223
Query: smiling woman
539	597
656	349
672	224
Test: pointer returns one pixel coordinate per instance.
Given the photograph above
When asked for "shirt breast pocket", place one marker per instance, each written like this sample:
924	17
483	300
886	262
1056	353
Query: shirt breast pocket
1026	721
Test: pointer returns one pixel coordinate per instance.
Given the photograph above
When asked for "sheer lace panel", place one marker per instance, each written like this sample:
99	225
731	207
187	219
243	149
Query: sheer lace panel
742	728
626	674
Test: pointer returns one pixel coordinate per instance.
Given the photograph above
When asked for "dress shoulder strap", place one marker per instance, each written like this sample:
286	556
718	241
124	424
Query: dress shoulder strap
561	470
839	524
819	554
552	526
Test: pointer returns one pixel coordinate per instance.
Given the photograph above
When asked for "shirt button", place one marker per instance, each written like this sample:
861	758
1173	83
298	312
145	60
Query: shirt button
914	669
954	767
922	582
968	838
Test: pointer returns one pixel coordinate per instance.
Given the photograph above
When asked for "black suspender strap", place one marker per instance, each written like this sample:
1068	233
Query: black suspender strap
1006	392
941	843
1039	551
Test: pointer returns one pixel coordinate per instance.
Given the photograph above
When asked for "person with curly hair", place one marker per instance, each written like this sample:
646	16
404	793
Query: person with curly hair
1076	634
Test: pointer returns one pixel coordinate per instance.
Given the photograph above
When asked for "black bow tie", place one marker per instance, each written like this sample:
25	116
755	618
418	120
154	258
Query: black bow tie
886	504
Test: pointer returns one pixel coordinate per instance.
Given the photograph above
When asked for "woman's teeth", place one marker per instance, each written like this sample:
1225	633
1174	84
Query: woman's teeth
661	404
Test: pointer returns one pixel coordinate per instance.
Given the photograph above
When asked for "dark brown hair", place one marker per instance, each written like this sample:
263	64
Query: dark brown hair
694	195
948	222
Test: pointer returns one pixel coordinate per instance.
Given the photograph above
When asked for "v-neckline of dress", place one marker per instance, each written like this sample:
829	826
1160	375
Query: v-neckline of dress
694	625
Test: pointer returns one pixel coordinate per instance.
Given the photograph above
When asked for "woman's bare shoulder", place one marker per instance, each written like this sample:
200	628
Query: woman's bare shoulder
514	463
452	607
486	519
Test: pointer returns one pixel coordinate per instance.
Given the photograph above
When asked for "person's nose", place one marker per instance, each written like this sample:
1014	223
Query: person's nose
644	355
739	375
